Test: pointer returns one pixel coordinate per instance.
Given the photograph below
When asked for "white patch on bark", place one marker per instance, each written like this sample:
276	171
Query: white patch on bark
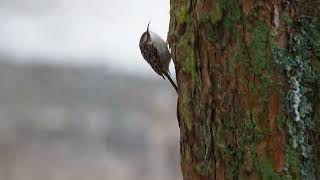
276	19
296	98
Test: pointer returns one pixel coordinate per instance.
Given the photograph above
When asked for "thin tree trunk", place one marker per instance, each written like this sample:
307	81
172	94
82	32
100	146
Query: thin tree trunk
248	77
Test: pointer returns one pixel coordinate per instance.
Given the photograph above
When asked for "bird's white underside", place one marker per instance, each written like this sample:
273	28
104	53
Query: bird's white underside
162	48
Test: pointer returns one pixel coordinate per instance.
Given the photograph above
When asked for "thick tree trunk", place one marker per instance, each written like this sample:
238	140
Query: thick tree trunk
248	76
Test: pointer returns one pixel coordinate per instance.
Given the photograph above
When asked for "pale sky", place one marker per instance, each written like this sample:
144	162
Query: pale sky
73	31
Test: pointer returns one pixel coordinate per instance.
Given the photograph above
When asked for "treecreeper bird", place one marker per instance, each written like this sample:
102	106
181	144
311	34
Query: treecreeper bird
155	51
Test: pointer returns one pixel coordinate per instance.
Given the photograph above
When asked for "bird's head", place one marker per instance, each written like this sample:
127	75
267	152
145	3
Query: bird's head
145	37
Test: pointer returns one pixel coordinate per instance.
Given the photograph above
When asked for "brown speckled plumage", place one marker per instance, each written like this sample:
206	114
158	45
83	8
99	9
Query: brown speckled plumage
155	51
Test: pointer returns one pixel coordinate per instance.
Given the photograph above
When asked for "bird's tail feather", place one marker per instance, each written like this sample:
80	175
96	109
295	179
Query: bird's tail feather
171	81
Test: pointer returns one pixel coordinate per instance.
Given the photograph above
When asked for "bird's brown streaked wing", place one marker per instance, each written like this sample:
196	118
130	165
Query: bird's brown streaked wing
153	59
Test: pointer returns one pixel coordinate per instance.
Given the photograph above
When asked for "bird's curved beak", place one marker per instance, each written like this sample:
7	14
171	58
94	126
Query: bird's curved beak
148	27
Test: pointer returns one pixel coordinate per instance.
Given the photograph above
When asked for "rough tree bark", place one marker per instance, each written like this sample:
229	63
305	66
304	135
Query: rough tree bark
248	76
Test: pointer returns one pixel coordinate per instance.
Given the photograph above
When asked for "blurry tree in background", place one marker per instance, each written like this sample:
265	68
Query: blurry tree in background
248	76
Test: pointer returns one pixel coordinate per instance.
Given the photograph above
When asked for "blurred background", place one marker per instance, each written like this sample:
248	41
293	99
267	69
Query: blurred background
77	100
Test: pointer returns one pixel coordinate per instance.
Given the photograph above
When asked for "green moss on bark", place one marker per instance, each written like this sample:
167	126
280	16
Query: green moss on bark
182	14
216	13
188	63
259	48
186	113
232	15
267	170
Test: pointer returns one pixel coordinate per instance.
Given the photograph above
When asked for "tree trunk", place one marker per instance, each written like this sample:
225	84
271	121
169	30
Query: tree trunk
248	77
